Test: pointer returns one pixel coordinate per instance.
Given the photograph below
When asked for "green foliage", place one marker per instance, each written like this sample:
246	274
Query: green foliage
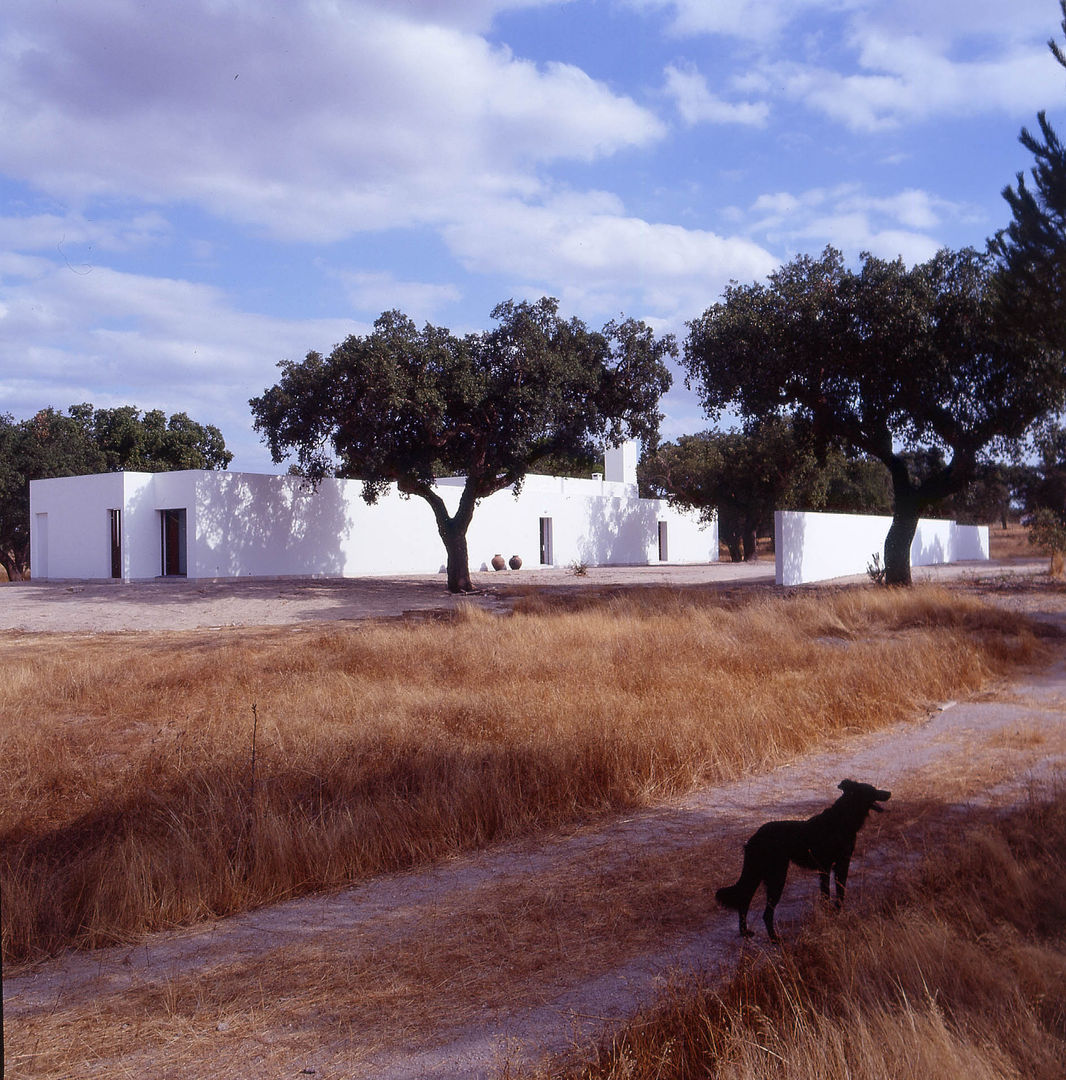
1047	531
1032	249
884	361
744	476
88	440
406	406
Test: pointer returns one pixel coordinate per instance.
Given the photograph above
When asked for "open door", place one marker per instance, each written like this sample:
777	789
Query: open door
547	555
116	542
174	546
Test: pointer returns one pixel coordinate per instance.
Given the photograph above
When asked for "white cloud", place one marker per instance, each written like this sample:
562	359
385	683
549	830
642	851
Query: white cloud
75	235
752	20
846	216
697	105
467	14
873	65
905	80
381	291
309	120
153	342
603	260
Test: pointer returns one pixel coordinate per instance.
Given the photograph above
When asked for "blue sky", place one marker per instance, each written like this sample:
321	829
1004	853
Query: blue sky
193	190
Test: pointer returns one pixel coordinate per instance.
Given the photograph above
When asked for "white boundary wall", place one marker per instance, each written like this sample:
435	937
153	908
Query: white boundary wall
250	524
816	547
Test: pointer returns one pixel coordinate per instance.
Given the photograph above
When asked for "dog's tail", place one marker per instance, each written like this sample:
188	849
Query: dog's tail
733	897
738	897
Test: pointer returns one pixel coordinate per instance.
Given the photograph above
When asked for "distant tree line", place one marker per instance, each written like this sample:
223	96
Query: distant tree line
89	440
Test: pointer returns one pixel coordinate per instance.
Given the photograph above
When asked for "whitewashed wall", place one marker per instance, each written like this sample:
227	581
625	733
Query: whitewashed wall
816	547
248	524
70	531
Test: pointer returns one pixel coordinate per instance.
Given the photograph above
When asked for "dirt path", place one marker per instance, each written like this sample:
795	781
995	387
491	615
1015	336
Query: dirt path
512	952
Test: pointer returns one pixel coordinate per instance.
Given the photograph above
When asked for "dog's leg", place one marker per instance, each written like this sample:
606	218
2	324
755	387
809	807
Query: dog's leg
744	931
775	886
840	874
823	882
738	897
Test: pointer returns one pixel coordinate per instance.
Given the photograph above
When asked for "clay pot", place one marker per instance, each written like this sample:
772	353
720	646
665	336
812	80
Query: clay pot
515	562
498	562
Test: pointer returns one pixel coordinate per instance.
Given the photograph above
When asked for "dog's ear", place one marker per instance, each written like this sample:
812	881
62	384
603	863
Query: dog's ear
845	784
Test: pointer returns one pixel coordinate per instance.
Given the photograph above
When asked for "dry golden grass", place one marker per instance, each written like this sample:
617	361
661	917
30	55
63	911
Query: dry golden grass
131	800
962	973
1011	542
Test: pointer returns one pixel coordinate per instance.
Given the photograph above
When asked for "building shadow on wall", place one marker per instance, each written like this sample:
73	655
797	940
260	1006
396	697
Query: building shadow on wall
251	525
790	534
930	552
619	533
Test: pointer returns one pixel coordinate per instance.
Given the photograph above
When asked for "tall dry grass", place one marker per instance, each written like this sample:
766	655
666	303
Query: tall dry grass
132	799
960	974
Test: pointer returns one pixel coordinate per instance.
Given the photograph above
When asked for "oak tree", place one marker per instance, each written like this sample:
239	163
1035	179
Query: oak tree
885	360
406	406
741	477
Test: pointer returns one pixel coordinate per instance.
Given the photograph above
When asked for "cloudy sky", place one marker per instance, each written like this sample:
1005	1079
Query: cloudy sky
193	190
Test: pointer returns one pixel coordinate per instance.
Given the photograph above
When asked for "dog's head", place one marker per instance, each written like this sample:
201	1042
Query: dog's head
865	795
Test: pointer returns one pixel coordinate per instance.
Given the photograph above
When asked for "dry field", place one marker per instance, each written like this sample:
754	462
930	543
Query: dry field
958	972
163	779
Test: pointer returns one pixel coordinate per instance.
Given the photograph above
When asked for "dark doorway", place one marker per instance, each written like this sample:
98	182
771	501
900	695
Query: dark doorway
546	553
174	545
116	542
664	553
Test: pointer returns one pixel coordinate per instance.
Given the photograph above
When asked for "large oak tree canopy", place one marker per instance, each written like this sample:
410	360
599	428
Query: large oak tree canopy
883	360
406	405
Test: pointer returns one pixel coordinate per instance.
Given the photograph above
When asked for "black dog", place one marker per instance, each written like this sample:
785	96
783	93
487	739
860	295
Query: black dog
823	843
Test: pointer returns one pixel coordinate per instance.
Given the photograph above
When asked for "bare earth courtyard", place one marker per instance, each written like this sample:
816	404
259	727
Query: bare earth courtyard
187	605
506	954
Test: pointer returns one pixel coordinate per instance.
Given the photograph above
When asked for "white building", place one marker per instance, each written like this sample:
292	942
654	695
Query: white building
205	524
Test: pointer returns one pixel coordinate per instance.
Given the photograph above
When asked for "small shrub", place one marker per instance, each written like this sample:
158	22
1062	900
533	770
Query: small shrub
1047	531
875	569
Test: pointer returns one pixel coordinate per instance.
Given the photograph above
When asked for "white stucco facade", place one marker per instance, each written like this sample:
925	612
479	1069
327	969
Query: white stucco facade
203	524
817	547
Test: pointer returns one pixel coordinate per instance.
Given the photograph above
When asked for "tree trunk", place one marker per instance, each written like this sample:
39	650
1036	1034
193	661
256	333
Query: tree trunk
898	544
452	531
10	563
731	539
454	539
751	546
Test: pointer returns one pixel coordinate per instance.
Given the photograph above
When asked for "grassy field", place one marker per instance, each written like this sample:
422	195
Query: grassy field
960	973
156	779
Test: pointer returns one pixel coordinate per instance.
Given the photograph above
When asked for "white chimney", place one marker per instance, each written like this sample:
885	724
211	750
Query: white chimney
620	463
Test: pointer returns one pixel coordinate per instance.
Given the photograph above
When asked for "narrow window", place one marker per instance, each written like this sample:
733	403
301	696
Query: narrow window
116	542
546	555
173	542
663	550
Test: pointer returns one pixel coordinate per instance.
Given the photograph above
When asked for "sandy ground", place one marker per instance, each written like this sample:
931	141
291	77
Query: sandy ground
188	605
448	993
